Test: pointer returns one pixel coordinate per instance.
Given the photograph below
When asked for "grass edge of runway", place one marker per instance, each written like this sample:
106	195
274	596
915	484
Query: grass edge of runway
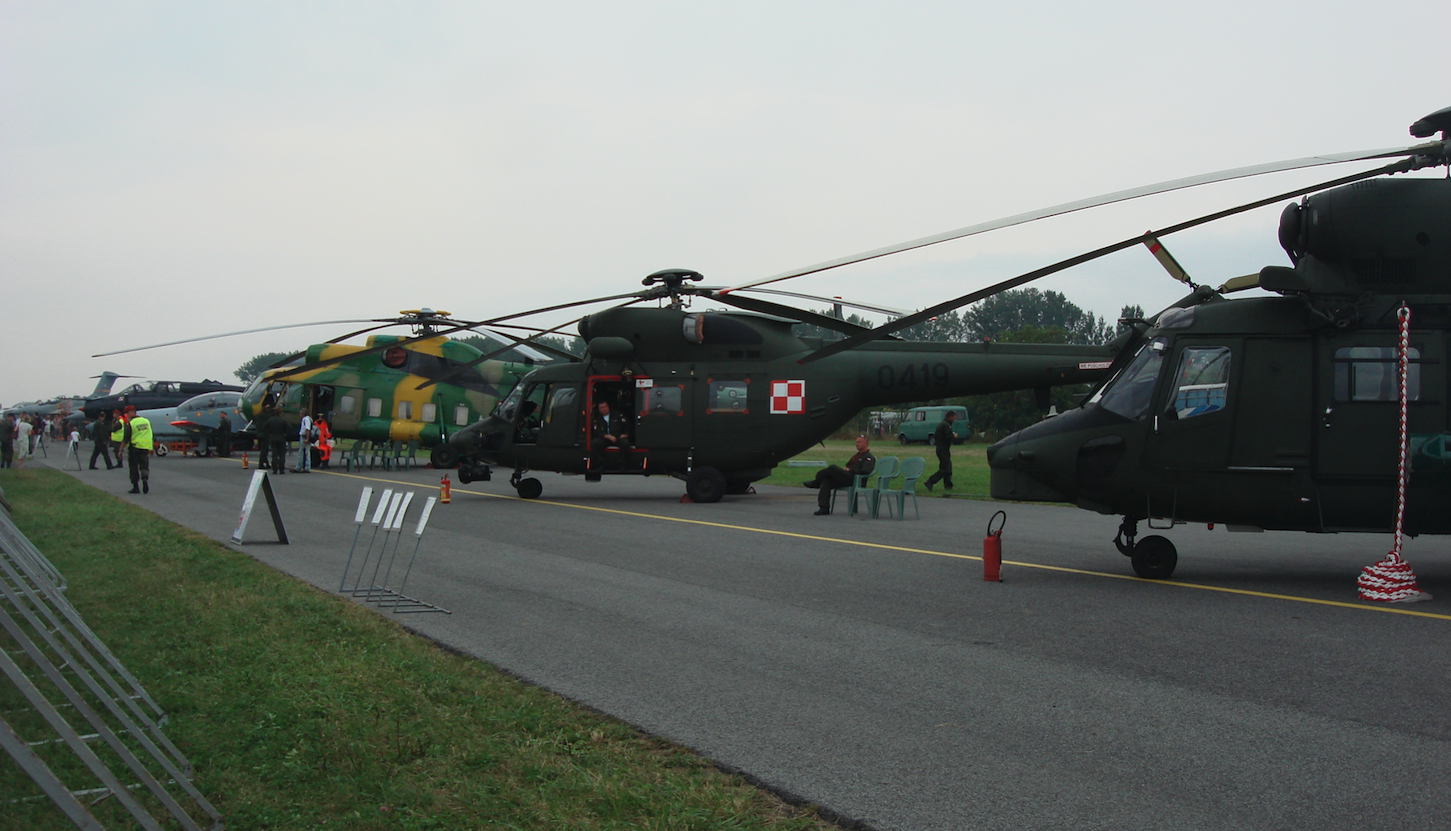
299	709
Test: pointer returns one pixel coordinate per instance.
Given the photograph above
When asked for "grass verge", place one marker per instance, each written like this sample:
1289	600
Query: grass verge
970	473
300	710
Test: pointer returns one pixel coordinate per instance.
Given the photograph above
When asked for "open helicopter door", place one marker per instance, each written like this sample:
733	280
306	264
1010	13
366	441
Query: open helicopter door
619	393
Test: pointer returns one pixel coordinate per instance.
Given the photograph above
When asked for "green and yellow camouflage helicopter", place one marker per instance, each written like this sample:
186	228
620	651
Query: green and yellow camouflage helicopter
372	393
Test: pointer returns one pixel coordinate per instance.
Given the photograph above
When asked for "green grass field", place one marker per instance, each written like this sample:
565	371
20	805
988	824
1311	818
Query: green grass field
300	710
969	465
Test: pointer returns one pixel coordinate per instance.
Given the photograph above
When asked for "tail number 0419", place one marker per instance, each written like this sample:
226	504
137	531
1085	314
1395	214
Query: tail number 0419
913	375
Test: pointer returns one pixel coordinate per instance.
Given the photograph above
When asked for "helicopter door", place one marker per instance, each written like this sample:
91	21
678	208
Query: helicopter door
349	405
320	400
560	424
1192	425
662	417
1357	410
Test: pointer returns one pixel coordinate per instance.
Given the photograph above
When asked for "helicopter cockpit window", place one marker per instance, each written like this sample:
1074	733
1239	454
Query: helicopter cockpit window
508	404
660	400
1368	373
1130	394
1201	385
727	397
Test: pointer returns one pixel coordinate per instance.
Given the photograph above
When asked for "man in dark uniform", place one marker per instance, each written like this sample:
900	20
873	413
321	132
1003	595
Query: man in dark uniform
830	478
224	436
101	435
7	441
943	437
277	431
608	430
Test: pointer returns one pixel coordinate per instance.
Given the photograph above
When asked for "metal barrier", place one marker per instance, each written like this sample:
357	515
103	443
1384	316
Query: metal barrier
86	727
388	517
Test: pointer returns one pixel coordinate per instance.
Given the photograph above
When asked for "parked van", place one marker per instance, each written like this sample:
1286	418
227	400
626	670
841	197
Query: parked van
918	424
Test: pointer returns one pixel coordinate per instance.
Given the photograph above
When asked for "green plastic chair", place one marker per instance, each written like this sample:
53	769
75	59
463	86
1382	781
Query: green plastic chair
379	457
354	456
407	455
857	488
887	469
911	472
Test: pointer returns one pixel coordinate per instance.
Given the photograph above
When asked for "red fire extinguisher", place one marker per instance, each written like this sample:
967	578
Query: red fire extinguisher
992	549
444	488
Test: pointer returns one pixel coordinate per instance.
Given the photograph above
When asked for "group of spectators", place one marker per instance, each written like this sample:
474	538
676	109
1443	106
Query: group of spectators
26	431
312	435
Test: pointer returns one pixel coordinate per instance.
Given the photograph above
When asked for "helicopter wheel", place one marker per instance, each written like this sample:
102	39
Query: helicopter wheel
442	457
463	475
705	484
529	488
1154	558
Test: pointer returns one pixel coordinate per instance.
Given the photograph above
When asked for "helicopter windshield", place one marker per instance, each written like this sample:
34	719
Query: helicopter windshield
1130	393
508	405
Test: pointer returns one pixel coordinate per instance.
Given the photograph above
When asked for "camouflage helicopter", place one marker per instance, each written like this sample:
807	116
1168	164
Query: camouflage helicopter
1279	411
370	392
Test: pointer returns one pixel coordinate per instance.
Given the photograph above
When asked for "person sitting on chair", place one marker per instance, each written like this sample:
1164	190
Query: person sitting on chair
608	430
830	478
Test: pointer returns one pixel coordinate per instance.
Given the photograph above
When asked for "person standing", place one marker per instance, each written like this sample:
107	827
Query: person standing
304	444
224	436
942	438
118	434
275	429
7	441
101	436
833	477
22	437
138	440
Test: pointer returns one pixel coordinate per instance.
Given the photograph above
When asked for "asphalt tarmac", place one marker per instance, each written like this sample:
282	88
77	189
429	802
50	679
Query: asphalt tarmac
865	666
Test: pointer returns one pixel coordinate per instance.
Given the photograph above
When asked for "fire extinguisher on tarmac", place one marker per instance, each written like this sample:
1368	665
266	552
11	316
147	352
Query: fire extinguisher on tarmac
444	487
992	549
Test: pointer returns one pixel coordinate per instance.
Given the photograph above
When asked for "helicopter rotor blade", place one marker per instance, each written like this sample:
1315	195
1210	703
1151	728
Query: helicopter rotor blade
373	350
1247	281
833	301
1028	277
755	304
540	345
1167	260
529	341
230	334
1097	201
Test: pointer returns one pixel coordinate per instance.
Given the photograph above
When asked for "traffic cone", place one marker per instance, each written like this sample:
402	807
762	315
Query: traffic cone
245	465
444	487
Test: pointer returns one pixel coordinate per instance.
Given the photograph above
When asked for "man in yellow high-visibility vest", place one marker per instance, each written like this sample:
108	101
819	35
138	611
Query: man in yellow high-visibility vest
139	442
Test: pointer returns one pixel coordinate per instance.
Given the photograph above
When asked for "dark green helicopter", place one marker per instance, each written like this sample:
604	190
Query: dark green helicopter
1276	412
718	398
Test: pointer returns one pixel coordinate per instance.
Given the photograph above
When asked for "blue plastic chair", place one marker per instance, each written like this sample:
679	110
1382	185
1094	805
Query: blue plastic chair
911	472
887	469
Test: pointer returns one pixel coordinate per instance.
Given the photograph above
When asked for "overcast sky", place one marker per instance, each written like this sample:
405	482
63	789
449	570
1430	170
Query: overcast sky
177	169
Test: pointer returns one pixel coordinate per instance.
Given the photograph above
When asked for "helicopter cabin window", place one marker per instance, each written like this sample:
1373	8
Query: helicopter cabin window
461	415
727	397
428	412
375	407
1130	394
660	400
405	410
1368	373
1201	385
348	405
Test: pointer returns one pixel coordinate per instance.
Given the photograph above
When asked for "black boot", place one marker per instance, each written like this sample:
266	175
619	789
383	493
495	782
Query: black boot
146	486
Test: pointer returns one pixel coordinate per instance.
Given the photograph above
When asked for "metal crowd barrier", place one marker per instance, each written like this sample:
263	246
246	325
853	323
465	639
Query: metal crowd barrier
75	720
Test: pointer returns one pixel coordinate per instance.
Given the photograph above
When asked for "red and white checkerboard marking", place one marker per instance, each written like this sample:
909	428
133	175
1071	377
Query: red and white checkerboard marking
788	397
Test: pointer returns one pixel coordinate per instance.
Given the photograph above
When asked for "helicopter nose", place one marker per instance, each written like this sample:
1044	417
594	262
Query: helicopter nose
1018	474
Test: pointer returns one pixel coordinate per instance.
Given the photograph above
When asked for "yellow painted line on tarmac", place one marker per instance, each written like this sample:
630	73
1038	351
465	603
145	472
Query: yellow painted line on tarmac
860	544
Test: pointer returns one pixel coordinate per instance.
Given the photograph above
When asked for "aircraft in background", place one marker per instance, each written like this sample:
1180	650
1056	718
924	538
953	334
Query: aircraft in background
65	404
154	396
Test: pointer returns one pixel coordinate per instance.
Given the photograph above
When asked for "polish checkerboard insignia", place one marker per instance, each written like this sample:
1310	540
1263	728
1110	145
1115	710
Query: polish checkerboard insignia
788	397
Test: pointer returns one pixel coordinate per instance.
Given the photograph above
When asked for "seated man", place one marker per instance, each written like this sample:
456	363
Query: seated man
862	464
608	430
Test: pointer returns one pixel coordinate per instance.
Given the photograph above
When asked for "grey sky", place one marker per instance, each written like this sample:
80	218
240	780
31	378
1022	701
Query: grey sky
176	169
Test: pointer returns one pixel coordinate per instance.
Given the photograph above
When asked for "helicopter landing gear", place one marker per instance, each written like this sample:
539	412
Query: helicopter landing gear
1153	557
705	484
442	457
526	488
